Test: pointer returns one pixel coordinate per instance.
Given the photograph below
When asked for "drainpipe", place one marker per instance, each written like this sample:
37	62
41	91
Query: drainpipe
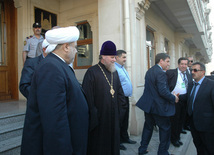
127	35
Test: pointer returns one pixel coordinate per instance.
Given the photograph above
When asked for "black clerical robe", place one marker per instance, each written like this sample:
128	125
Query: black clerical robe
104	134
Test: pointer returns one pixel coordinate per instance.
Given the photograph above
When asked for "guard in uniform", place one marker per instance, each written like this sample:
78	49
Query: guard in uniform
31	42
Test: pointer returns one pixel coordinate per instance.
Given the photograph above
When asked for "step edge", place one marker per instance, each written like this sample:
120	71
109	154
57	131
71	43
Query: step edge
12	115
13	145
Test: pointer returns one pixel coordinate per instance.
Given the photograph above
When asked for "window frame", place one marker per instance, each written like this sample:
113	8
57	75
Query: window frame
83	42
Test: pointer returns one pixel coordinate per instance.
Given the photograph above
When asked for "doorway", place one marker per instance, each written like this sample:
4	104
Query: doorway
8	51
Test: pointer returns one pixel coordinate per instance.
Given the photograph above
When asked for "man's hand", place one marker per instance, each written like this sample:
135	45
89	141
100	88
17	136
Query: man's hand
176	97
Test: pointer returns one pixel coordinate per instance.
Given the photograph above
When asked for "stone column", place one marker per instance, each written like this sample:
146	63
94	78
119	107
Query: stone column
109	21
139	61
22	31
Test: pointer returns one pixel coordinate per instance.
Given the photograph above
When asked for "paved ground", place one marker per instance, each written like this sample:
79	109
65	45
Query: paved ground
132	149
187	148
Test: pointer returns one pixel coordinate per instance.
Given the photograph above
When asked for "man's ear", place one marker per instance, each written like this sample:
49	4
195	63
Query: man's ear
65	47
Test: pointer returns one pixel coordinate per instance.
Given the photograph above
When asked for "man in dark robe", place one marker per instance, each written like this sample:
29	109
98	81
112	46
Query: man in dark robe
56	121
105	95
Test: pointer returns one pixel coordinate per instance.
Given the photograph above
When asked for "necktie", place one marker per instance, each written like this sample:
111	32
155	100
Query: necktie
185	80
190	105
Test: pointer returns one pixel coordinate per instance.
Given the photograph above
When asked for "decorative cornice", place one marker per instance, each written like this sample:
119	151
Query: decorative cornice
144	4
207	11
147	5
141	7
139	13
17	3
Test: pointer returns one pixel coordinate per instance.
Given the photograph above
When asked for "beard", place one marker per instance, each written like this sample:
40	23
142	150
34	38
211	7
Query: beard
110	67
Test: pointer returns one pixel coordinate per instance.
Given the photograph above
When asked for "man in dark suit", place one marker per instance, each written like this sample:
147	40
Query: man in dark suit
200	99
158	104
57	116
211	76
190	62
28	70
178	82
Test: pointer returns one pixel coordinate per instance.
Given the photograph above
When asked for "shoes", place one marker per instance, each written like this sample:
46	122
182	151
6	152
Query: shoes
129	141
143	153
180	142
122	147
184	132
176	143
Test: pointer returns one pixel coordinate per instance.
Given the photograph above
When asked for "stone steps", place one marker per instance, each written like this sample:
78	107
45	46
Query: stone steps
12	118
11	146
11	128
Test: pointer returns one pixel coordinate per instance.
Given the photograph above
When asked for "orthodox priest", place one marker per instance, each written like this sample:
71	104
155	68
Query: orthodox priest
105	97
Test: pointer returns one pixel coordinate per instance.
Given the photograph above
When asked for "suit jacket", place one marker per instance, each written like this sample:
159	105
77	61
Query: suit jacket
27	74
203	112
210	77
172	76
56	119
157	98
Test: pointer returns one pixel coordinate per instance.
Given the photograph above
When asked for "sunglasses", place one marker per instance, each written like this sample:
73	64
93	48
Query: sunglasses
191	61
195	70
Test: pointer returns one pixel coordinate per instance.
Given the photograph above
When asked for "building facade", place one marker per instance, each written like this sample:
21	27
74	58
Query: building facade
143	28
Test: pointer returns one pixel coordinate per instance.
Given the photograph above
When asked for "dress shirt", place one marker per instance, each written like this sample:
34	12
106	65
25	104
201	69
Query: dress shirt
31	45
124	79
161	68
197	88
59	57
180	86
188	69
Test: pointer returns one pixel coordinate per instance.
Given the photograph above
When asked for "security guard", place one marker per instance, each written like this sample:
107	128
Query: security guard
31	42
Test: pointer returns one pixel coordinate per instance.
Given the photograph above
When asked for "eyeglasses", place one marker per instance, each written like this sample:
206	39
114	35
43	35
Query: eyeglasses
195	70
191	61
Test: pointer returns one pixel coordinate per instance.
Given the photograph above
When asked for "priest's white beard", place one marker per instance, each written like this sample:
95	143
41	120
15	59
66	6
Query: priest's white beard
110	67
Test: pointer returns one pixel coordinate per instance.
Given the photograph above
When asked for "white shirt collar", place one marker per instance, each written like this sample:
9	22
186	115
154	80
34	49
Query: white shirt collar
59	57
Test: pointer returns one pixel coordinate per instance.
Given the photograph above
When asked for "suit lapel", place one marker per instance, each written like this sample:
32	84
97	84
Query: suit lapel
174	79
176	76
202	88
189	77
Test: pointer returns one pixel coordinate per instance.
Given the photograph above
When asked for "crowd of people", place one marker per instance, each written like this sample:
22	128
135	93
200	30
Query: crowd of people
66	117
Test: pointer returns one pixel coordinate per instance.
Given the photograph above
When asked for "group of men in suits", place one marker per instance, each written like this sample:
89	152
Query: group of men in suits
57	116
168	96
158	104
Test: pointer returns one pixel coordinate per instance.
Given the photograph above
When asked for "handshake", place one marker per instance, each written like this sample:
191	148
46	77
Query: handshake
176	97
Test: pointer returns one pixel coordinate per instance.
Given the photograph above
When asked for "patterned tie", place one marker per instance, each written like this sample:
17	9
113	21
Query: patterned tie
185	80
190	105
